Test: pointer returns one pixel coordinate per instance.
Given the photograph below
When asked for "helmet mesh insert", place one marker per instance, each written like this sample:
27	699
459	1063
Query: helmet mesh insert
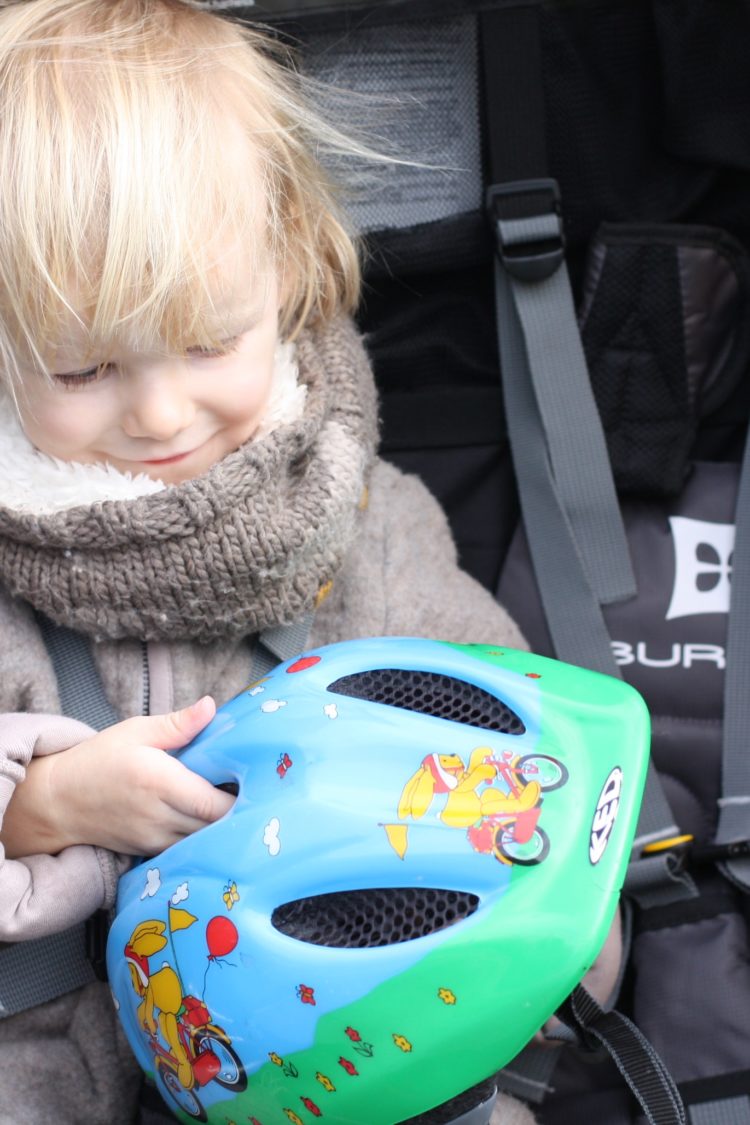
456	1107
431	693
364	919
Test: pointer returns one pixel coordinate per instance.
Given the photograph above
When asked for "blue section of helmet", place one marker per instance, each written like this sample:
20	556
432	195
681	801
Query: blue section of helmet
320	779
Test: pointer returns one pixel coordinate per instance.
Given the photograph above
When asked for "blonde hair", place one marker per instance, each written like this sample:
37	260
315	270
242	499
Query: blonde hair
141	143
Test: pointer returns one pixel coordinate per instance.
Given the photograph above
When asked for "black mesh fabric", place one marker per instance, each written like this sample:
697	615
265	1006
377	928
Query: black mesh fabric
431	693
363	919
633	338
447	1112
656	369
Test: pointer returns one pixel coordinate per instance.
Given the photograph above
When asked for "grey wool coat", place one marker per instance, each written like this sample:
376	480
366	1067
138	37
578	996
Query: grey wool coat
184	579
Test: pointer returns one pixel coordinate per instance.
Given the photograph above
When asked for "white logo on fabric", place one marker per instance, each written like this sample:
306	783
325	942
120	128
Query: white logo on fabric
703	567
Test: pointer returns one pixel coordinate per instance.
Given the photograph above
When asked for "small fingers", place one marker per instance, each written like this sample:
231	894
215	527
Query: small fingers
193	797
170	731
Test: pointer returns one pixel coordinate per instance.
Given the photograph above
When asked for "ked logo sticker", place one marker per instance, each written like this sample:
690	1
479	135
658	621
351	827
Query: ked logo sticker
605	815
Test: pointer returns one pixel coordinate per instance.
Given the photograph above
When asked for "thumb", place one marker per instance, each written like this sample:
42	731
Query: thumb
175	729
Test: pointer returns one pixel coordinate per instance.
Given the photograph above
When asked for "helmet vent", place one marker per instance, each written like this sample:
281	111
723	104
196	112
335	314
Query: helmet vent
364	919
431	693
463	1103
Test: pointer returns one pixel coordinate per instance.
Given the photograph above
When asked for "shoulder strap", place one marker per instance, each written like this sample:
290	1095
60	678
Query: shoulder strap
635	1058
733	833
33	972
274	646
79	684
571	514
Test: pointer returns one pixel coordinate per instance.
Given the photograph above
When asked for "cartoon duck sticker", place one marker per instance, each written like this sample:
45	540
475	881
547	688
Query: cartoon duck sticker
175	1022
160	992
464	803
497	798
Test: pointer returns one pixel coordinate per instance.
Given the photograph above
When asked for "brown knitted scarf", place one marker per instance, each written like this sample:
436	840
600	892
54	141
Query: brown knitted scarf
246	546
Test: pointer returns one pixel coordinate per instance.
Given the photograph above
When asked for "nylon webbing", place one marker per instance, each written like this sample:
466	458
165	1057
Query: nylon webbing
570	510
635	1058
78	682
734	803
570	424
571	608
528	1075
274	646
516	139
33	972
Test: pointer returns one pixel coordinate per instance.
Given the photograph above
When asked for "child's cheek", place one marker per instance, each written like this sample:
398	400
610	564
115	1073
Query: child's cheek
63	424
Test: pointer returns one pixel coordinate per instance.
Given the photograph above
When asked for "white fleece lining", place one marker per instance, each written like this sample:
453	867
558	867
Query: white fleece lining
31	481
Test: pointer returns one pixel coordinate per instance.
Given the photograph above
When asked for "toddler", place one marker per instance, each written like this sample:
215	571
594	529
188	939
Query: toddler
188	436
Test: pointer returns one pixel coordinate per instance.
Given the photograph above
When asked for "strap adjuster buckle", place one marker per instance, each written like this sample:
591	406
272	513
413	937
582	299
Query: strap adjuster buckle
527	221
96	933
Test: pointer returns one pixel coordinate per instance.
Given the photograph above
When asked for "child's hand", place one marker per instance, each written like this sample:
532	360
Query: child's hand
120	790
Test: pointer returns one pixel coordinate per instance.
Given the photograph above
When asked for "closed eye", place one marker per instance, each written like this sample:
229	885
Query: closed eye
81	378
222	349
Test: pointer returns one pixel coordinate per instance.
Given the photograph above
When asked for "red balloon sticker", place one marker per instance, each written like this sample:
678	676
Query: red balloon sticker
221	937
303	663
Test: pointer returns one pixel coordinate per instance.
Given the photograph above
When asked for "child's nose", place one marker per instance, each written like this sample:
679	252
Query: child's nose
159	405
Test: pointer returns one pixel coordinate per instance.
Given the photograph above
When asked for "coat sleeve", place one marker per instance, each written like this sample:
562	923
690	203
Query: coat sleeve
43	894
402	577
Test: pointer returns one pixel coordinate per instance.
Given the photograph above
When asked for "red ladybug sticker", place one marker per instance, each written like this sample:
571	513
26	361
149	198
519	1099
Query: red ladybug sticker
303	663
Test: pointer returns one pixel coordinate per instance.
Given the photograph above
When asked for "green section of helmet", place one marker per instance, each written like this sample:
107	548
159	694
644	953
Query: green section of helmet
508	967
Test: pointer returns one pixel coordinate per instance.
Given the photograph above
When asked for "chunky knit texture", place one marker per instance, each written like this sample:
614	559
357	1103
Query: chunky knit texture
247	545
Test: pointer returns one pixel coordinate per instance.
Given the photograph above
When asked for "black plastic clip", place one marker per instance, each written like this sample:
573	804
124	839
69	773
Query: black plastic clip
526	254
97	930
685	850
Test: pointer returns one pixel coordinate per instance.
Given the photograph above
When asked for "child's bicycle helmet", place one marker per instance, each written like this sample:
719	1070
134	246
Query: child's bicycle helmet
423	860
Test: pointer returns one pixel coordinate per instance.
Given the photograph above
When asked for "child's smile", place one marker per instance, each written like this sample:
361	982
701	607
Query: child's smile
171	418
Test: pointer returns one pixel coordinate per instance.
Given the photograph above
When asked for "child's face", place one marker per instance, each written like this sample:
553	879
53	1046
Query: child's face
171	418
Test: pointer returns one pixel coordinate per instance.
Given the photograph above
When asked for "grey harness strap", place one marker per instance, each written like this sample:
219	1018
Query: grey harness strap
274	646
571	514
733	831
34	972
571	603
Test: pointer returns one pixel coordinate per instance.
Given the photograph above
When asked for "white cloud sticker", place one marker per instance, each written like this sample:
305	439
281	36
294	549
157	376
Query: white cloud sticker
272	705
153	883
180	894
331	710
271	836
